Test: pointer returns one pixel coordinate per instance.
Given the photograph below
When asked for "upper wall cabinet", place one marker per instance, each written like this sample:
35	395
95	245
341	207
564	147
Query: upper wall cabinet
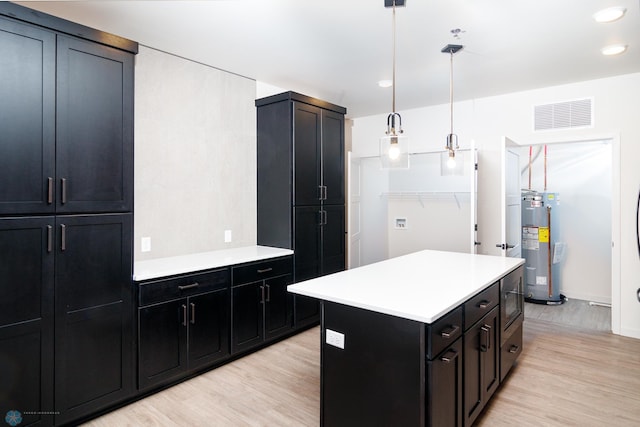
27	118
67	124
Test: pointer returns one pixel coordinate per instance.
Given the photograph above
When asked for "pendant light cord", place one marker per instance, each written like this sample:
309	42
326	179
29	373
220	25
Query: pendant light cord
451	90
393	102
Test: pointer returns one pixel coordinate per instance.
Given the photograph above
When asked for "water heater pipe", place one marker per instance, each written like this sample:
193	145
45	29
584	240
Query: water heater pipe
545	168
530	155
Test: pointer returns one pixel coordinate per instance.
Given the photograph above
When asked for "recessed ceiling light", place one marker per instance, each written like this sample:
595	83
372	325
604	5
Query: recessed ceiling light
614	49
610	14
385	83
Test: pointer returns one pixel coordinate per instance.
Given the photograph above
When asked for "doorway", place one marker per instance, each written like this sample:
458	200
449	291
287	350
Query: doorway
582	173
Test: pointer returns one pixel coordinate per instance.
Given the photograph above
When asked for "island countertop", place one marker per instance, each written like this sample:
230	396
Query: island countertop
420	286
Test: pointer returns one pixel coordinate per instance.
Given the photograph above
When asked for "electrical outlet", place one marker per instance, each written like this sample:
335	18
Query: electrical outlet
227	236
145	244
334	338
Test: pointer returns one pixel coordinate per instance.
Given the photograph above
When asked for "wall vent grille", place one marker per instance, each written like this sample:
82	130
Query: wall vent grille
563	115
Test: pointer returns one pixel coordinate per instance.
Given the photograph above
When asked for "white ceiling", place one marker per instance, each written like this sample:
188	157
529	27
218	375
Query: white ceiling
337	50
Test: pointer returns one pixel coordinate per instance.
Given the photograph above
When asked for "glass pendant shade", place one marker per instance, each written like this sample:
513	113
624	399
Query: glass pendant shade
394	151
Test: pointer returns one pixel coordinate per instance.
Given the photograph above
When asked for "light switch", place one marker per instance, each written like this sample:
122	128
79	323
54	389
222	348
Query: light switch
227	236
334	338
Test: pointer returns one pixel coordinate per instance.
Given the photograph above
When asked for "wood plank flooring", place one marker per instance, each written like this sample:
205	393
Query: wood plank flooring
566	376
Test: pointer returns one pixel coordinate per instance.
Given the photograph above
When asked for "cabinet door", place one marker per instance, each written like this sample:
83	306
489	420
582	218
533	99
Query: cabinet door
481	362
278	308
307	151
333	157
248	316
209	325
444	379
162	334
93	332
307	243
27	118
26	318
94	148
333	257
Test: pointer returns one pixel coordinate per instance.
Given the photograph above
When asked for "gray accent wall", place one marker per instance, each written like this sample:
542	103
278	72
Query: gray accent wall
195	156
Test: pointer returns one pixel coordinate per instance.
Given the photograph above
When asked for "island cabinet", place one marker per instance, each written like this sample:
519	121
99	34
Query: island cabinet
423	352
66	202
262	307
301	187
481	351
183	325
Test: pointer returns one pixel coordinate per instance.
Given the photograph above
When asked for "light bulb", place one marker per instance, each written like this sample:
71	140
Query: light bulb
394	152
451	161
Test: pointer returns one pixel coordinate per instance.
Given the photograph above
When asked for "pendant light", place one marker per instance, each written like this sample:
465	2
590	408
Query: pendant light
394	146
452	138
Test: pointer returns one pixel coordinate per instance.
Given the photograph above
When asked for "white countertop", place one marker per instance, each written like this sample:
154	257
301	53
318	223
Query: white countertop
421	286
163	267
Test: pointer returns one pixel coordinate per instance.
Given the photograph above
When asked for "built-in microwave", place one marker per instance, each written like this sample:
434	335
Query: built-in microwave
512	302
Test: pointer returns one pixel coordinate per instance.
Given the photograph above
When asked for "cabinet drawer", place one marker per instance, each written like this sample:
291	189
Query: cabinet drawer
510	351
256	271
183	286
444	332
481	304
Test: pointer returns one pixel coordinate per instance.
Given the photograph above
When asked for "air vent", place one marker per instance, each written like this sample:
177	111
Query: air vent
563	115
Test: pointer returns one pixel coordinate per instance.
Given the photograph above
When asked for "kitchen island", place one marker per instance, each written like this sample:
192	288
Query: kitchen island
417	340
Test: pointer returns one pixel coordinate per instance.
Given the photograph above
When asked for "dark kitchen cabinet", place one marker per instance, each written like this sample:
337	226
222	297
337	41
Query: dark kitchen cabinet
262	307
66	168
445	370
67	120
26	318
27	118
481	364
301	187
94	111
94	350
183	325
444	398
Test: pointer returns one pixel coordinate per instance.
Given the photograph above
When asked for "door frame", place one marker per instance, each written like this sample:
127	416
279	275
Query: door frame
615	208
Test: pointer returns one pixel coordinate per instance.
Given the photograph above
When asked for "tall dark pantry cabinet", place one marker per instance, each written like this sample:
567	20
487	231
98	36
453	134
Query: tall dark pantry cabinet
66	206
301	187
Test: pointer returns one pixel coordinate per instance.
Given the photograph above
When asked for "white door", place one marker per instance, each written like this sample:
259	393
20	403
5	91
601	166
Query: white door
511	227
354	212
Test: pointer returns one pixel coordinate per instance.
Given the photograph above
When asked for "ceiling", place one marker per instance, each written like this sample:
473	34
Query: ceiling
338	50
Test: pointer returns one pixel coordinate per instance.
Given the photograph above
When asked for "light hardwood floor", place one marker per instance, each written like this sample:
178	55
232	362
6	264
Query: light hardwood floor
566	376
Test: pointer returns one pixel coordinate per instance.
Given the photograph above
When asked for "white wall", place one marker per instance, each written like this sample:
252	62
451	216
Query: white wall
486	120
195	156
581	174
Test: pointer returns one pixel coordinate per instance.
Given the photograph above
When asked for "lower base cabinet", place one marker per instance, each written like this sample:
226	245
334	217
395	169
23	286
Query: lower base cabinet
481	364
177	336
262	307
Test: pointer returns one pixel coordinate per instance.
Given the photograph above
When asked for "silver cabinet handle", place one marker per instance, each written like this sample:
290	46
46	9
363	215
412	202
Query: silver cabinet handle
446	359
63	237
486	331
262	301
184	315
265	270
319	192
63	181
193	313
484	304
49	238
49	190
191	286
514	349
268	293
324	192
450	332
